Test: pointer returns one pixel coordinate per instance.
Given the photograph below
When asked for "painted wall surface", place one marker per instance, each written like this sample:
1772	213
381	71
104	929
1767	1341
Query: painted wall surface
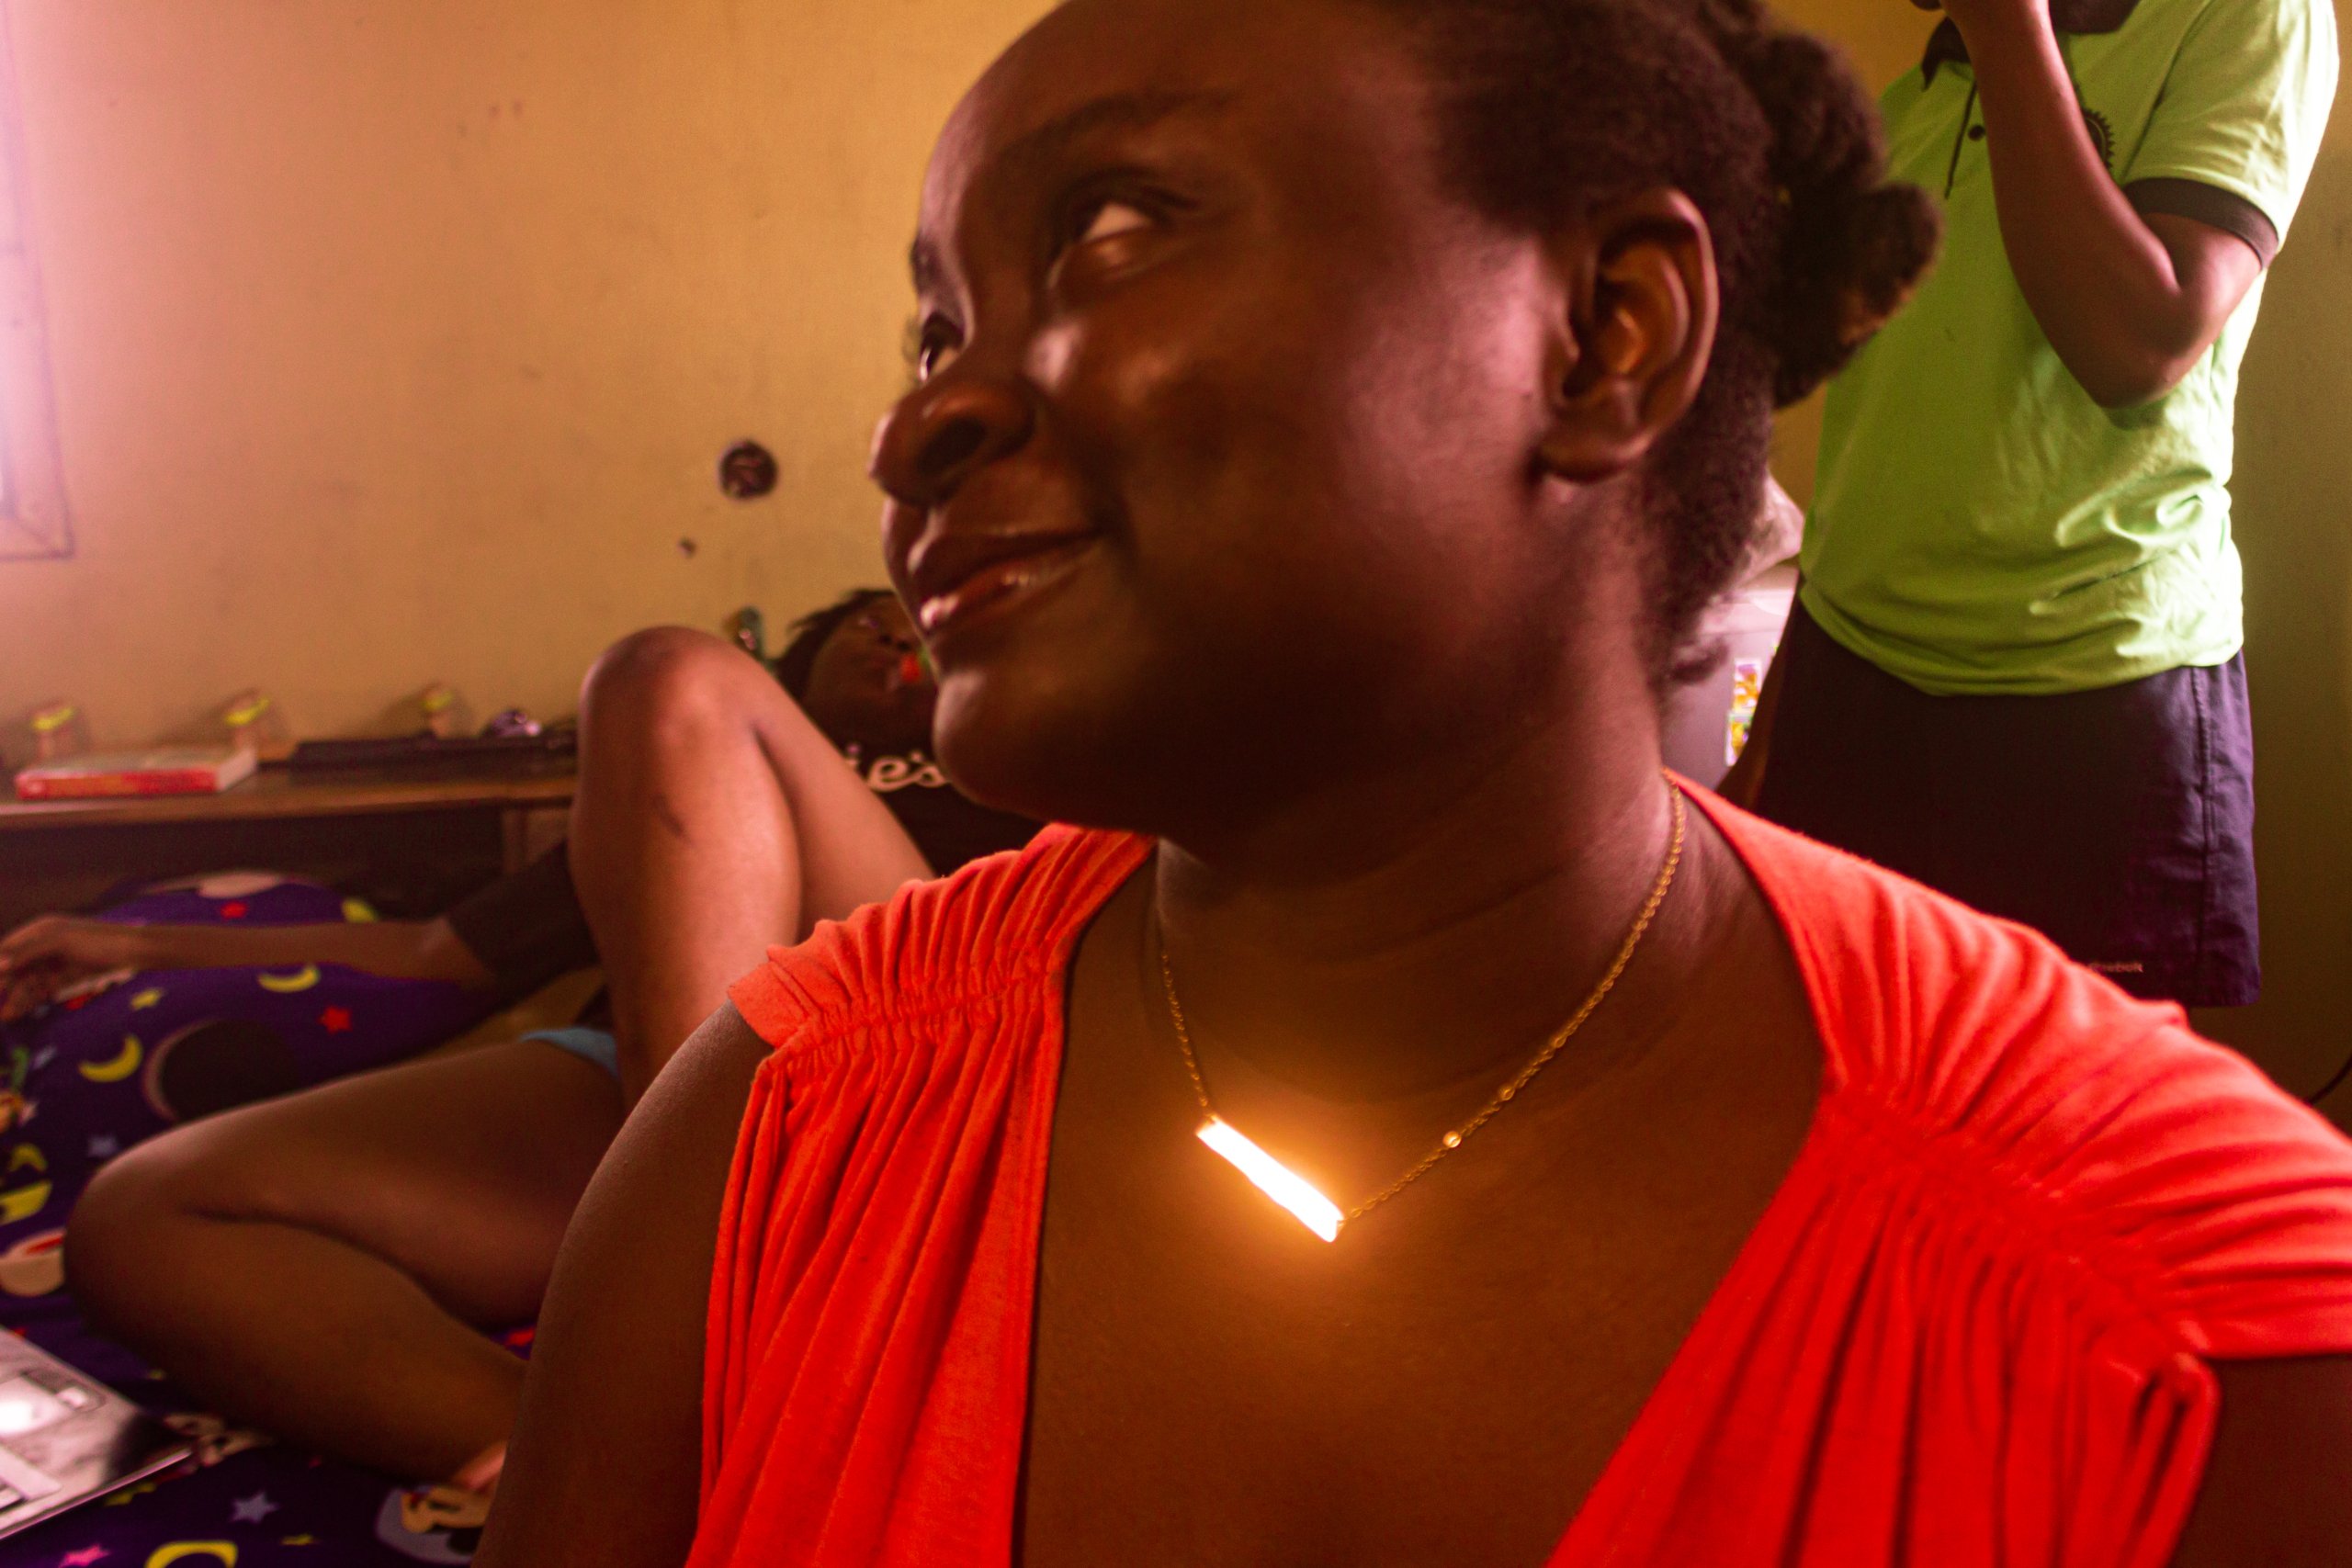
2292	503
397	341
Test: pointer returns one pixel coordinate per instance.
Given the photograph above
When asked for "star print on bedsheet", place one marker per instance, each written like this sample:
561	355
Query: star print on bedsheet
84	1558
335	1021
254	1510
104	1146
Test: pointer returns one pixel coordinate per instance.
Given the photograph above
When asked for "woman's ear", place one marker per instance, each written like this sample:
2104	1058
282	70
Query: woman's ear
1638	277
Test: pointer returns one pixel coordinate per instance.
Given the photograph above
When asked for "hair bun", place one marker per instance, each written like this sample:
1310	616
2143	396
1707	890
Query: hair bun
1853	246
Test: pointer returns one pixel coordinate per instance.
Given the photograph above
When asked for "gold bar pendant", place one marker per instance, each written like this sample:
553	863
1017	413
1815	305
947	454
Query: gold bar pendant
1276	1179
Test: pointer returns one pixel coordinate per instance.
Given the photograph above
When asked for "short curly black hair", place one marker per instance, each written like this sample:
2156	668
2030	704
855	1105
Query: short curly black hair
1547	107
793	667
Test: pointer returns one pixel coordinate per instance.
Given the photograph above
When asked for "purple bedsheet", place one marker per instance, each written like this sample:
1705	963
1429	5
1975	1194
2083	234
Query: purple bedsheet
80	1082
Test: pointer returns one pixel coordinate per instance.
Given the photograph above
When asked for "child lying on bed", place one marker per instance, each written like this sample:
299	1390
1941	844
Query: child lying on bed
319	1264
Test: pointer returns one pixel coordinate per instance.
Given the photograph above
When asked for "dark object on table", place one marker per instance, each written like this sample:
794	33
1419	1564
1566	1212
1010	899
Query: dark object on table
509	722
429	756
747	470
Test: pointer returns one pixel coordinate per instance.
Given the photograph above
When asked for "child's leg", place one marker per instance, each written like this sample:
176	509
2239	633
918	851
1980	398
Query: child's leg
320	1266
712	820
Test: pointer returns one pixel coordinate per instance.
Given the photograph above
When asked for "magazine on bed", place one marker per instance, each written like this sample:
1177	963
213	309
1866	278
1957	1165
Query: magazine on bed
66	1439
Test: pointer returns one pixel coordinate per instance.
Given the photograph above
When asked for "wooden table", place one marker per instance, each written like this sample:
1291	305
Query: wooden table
415	843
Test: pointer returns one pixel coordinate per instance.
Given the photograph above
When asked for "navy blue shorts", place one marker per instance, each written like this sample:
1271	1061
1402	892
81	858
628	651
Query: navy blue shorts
2119	822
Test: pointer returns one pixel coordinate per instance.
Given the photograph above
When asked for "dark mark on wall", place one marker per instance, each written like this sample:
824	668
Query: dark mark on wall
747	470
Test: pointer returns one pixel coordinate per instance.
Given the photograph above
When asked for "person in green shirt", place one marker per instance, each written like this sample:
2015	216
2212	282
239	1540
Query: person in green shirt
2015	672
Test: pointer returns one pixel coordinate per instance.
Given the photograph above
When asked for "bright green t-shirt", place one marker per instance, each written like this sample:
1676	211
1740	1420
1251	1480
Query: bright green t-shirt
1979	523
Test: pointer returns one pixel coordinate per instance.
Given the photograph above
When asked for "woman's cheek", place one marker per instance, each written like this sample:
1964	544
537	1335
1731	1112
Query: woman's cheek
1108	380
1053	356
1169	369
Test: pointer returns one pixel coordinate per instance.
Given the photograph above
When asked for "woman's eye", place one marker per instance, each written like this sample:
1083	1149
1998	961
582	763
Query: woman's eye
1112	220
934	350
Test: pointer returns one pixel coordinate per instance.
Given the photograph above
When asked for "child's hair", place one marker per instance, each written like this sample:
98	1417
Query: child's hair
792	667
1548	106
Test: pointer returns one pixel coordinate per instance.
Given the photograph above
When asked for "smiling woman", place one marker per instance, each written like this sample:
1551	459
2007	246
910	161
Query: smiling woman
1330	416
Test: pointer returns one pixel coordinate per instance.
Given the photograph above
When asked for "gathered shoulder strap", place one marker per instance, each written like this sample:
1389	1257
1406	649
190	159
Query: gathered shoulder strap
2223	1205
995	922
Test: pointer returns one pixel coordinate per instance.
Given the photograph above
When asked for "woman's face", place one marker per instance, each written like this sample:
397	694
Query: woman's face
868	684
1222	478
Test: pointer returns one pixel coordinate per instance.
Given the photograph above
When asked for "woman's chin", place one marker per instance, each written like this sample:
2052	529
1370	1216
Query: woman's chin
1027	746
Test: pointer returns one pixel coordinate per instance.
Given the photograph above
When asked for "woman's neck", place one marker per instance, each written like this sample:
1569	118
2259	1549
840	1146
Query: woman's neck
1401	943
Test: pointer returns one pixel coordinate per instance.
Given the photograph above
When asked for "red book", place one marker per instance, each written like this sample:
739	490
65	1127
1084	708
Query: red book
171	770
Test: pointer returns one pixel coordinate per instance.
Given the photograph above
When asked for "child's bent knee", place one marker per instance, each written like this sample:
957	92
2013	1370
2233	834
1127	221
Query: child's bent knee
662	668
108	1237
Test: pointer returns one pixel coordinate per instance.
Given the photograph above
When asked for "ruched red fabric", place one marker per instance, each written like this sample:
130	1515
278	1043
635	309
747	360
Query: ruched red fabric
1974	1327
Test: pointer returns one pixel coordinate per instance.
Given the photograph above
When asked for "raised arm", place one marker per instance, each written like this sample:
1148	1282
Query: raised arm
605	1465
2130	299
55	951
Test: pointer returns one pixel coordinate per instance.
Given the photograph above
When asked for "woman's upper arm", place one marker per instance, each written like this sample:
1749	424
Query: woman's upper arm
2277	1489
605	1469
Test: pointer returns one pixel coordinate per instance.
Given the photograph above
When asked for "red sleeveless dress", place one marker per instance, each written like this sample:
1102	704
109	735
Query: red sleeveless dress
1973	1327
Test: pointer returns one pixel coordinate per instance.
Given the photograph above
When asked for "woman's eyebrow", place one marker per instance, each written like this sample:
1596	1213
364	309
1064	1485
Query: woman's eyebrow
1033	152
1033	149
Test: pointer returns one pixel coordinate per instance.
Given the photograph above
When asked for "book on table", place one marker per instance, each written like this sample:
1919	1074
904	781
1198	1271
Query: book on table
167	770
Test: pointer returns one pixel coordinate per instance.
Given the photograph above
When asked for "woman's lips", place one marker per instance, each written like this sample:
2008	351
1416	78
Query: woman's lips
999	587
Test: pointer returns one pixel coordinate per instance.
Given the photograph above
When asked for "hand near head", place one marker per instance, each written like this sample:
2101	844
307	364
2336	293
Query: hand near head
54	953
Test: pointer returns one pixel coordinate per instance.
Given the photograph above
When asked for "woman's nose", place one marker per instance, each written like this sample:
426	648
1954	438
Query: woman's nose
942	434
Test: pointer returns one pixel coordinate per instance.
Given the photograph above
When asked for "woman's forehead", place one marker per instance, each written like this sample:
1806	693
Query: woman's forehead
1091	67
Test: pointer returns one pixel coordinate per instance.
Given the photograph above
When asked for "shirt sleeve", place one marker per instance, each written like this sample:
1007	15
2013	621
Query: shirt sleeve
527	928
2245	104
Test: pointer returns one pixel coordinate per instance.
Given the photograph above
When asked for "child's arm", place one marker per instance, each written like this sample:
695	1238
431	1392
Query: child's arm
2129	301
41	958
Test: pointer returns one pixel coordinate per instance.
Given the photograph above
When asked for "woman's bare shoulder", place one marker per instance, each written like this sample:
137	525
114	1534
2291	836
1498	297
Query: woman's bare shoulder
2278	1490
605	1465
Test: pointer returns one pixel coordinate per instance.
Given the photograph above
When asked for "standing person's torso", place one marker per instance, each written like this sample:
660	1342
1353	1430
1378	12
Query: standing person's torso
1979	524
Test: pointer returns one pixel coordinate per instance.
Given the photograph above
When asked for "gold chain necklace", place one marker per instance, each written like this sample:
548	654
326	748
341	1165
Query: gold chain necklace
1292	1192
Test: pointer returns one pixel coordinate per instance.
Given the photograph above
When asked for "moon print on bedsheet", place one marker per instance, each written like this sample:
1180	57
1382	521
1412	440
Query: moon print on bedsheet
35	1266
218	1065
220	1551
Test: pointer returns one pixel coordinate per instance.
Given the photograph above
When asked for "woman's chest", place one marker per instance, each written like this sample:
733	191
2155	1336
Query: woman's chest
1210	1384
1189	1413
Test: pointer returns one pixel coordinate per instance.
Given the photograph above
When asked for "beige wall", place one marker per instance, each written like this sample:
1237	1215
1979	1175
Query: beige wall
2293	493
396	339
